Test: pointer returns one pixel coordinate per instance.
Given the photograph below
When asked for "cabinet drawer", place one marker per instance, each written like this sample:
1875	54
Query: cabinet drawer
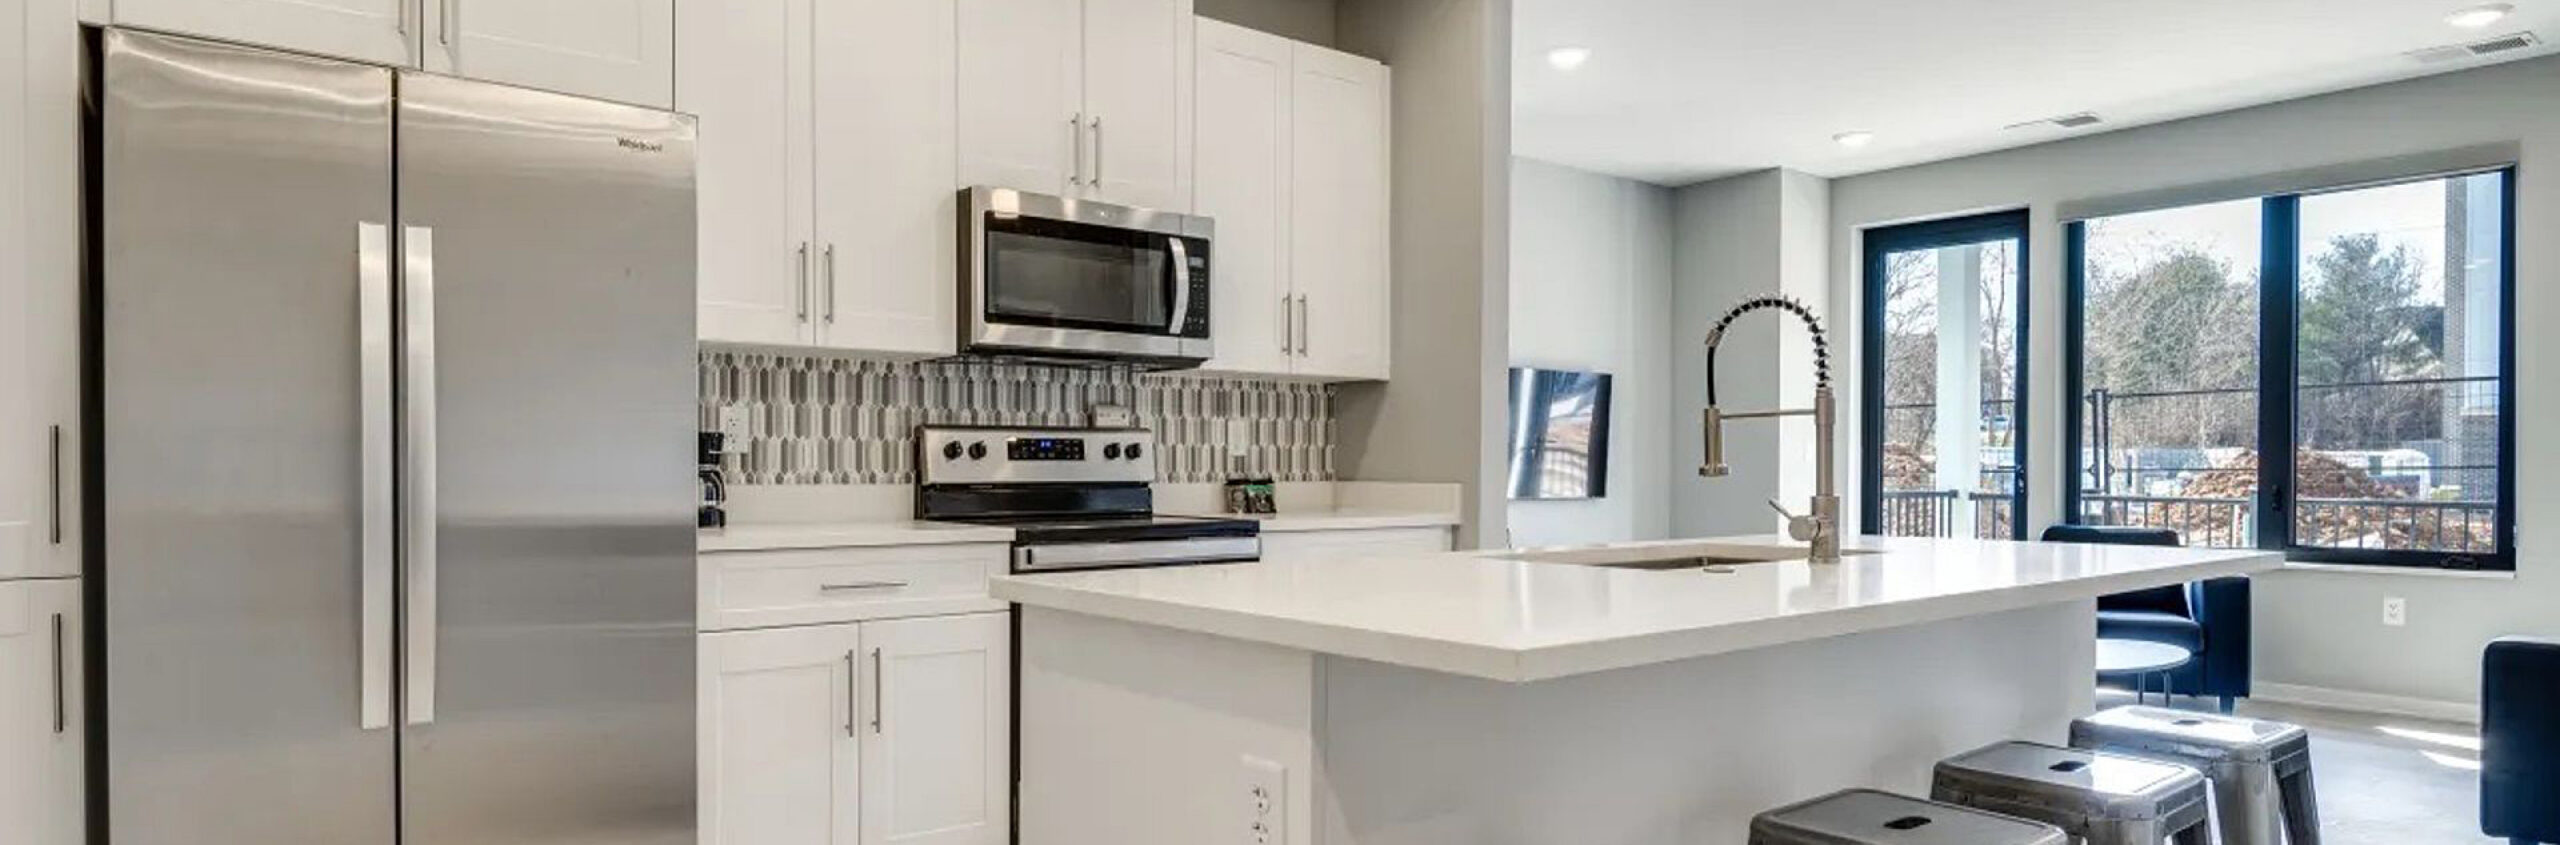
1353	543
764	589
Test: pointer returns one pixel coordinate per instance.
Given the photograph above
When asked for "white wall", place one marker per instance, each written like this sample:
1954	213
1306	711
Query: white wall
2315	629
1311	21
1591	290
1440	419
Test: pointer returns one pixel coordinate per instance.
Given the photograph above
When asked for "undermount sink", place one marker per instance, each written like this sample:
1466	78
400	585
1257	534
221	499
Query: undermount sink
1705	557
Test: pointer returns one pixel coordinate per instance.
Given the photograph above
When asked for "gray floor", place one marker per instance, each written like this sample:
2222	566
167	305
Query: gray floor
2384	780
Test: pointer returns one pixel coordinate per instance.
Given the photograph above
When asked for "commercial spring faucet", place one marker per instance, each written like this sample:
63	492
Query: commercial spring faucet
1821	528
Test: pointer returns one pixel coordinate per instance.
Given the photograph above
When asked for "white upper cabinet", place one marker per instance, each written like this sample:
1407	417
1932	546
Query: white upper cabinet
1243	183
39	291
40	712
1292	163
1078	98
780	744
379	31
937	751
887	215
1021	90
1338	253
746	74
621	50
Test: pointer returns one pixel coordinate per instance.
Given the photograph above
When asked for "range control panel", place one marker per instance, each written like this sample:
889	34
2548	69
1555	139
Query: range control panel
974	455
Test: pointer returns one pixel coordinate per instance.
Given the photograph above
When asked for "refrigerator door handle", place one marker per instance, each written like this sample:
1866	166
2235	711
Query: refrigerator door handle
378	536
419	525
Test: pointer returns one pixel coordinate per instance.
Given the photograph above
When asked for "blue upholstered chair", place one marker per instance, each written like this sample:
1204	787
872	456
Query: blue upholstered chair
2209	618
2520	740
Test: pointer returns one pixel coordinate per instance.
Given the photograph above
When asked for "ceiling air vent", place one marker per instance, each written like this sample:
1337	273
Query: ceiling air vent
2476	49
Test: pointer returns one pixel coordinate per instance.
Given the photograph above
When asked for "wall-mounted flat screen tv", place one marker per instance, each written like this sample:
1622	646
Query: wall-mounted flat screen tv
1559	434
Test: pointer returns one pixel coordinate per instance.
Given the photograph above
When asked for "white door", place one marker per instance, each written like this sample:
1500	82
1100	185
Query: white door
1137	101
1338	220
40	725
24	454
938	746
1021	90
747	76
1241	179
887	213
42	249
378	31
780	758
620	50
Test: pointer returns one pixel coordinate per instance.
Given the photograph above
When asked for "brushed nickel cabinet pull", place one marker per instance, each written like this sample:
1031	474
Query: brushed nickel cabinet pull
56	474
852	686
850	586
878	679
61	696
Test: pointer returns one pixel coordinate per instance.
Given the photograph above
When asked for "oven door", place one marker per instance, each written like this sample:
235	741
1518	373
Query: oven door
1051	276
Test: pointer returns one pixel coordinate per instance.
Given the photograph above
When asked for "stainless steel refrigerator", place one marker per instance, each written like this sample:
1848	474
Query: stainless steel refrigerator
395	410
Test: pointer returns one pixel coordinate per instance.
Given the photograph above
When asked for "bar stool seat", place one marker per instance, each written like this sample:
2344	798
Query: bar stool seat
2095	797
1869	817
2260	769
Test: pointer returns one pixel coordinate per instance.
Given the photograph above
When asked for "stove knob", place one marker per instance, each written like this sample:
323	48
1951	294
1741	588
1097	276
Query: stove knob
951	451
978	451
1133	452
1111	452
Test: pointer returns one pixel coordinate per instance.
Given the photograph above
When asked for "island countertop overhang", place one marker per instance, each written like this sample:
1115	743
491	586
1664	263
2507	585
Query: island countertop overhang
1479	614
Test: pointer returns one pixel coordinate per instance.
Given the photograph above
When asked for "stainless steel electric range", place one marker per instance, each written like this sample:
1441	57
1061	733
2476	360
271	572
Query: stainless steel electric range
1075	498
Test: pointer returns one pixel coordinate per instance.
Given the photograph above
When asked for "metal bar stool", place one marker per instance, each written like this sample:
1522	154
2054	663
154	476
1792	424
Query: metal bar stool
2261	770
2097	798
1868	817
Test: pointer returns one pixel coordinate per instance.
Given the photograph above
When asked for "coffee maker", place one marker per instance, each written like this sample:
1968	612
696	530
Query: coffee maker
715	490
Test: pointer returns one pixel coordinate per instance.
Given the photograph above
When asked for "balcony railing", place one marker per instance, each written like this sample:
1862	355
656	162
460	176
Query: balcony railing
1932	513
2396	524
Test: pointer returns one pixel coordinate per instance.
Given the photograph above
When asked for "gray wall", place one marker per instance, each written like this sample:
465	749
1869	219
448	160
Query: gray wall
1441	417
1740	237
1311	21
1591	290
2314	629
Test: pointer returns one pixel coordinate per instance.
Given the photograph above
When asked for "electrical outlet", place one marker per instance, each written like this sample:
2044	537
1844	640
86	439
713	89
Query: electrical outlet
1266	803
733	428
2395	611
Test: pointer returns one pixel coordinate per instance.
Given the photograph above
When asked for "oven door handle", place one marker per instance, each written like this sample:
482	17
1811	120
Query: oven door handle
1065	556
1181	285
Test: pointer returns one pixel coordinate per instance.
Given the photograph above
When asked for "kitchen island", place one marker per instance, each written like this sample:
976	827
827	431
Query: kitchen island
1636	693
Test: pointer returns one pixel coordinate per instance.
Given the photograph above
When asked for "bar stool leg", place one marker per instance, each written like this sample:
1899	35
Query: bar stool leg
2301	809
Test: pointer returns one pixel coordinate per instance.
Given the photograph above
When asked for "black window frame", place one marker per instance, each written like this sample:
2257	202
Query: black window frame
2012	224
2279	298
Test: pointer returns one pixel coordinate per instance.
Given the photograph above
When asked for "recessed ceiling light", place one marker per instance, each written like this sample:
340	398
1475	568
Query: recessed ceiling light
2475	17
1568	58
1853	140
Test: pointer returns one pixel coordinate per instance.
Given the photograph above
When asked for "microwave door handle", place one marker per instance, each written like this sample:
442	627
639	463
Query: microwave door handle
1181	277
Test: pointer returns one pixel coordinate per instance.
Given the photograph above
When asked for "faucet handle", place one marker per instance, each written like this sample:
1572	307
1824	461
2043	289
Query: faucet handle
1803	528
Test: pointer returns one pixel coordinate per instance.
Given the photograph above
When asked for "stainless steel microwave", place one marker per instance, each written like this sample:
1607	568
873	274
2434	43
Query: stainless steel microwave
1052	277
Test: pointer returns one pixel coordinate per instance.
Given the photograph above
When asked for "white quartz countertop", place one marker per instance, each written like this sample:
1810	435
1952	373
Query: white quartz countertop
1477	613
824	535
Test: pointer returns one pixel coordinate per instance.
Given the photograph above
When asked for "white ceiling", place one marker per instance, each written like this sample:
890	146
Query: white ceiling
1679	91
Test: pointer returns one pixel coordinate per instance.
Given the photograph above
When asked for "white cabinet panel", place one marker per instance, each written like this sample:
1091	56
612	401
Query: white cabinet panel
1242	181
622	50
887	214
23	452
936	757
1021	89
747	76
377	31
40	723
1343	545
1137	83
1338	227
780	758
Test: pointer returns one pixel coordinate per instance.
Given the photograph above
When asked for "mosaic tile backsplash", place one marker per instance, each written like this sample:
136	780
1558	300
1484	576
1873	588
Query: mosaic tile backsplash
826	420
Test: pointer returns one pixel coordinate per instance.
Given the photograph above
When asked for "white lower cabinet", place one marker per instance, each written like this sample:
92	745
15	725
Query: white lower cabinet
890	731
1292	546
40	724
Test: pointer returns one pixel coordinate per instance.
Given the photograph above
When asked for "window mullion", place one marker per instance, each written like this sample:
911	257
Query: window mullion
2279	297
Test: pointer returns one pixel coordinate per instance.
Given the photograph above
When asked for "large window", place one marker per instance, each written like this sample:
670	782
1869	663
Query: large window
2320	373
1945	439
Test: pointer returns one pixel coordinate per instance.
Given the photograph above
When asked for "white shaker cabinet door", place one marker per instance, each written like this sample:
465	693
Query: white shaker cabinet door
747	76
887	213
780	755
1137	102
938	745
1021	89
1241	179
378	31
620	50
1338	251
40	724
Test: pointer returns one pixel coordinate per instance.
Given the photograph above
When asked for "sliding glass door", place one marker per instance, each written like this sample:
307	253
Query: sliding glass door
1945	376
